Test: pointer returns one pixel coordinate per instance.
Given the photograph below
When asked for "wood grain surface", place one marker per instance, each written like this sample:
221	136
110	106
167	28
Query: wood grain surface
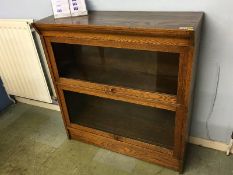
125	80
165	23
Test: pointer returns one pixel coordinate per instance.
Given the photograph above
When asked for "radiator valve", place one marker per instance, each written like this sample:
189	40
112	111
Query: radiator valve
230	146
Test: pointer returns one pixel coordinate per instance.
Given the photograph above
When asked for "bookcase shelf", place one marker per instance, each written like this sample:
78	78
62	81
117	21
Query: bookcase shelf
124	80
146	124
144	70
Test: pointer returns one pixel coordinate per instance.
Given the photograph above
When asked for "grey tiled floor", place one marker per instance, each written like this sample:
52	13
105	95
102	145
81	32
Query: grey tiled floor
33	141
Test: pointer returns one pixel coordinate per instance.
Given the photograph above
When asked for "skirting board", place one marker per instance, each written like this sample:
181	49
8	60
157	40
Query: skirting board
38	103
220	146
193	140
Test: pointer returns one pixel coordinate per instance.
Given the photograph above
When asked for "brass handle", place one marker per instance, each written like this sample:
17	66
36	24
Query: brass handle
116	137
110	90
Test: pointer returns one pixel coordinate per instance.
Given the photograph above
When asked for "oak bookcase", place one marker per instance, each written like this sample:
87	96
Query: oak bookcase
125	80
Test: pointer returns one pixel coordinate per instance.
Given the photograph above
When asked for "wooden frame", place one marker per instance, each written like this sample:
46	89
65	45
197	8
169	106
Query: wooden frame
153	38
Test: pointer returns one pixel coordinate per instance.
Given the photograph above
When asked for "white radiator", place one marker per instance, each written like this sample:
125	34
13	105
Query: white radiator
20	67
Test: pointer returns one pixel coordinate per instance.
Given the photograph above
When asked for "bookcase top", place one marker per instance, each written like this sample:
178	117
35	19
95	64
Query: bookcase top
178	23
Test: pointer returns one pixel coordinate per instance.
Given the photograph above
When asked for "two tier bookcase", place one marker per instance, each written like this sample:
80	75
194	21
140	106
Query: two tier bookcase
124	80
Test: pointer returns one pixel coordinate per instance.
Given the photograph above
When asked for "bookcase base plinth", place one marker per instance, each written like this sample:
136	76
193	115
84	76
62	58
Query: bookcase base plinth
156	156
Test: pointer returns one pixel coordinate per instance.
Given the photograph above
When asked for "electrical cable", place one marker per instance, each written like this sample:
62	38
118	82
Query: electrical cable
213	104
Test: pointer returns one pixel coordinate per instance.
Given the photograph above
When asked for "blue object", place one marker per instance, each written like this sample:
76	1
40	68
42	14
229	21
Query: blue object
4	98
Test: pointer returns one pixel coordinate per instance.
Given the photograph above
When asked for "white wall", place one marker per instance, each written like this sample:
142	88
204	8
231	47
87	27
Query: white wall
215	53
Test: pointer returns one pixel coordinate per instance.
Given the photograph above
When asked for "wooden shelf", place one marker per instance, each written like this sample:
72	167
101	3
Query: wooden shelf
125	80
157	100
134	80
146	124
142	70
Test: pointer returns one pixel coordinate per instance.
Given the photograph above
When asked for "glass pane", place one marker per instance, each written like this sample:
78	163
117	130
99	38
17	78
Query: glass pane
146	124
143	70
